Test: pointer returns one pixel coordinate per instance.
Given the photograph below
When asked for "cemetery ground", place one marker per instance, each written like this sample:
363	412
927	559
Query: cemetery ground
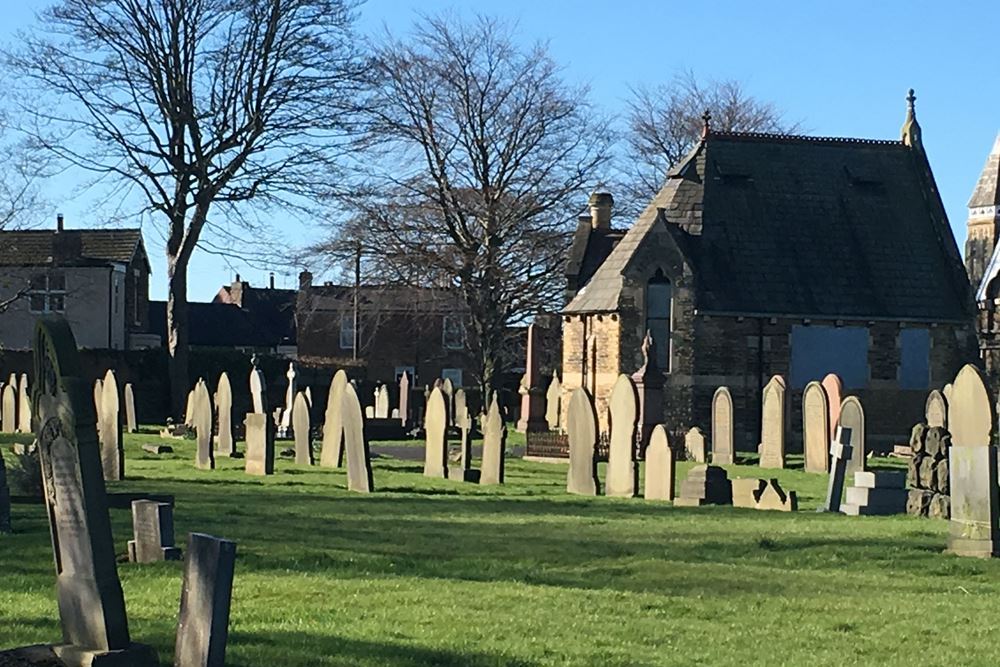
433	572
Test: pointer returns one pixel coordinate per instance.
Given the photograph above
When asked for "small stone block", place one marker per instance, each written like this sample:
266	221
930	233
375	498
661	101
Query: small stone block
860	495
889	479
157	449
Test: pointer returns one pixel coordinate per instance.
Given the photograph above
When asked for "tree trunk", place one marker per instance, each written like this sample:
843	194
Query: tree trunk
177	333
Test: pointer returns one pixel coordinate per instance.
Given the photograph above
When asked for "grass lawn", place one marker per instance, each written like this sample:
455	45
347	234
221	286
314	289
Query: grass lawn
431	572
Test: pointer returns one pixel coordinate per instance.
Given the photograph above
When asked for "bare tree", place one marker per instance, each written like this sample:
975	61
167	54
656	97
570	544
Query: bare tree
477	153
195	105
665	122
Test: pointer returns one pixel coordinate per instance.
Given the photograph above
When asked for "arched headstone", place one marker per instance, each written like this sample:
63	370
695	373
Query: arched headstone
834	388
552	398
202	419
224	442
494	441
302	430
816	428
359	463
694	445
8	413
722	427
623	473
774	416
23	405
257	388
852	416
936	409
435	428
581	428
660	466
112	450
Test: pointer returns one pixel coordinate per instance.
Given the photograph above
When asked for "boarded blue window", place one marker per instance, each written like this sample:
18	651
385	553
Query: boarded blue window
818	350
914	359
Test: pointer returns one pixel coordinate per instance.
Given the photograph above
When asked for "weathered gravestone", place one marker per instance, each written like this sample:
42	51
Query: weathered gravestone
695	446
130	423
112	446
773	497
260	444
834	388
448	388
660	466
974	529
152	532
302	430
581	429
332	455
494	445
532	418
553	397
201	415
705	485
9	411
722	427
852	416
936	409
91	603
258	387
840	454
5	525
436	434
98	393
382	402
946	391
404	399
23	405
224	442
290	392
189	410
623	472
746	491
206	596
816	428
359	459
774	416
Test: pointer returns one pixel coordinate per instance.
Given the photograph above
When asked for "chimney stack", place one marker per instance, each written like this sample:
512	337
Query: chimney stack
600	210
59	222
272	279
305	280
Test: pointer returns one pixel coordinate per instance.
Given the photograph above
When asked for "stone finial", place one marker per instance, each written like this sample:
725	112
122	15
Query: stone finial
911	98
706	127
911	134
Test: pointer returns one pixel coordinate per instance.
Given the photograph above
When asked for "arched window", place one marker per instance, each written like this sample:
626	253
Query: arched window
659	307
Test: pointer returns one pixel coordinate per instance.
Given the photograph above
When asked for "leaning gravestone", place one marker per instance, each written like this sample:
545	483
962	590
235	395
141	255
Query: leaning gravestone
815	428
91	603
201	415
581	428
660	466
152	532
974	529
852	416
382	402
695	446
224	442
130	423
9	412
359	458
23	405
552	400
623	472
302	430
936	410
722	427
112	446
436	437
332	455
835	396
840	454
206	596
494	445
773	419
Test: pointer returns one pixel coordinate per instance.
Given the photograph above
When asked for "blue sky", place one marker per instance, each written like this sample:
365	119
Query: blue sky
841	68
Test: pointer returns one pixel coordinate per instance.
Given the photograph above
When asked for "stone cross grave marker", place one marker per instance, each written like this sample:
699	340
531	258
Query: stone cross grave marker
774	416
359	458
152	532
290	393
332	455
436	436
581	427
225	444
206	596
302	430
840	454
494	445
816	428
112	447
661	467
722	427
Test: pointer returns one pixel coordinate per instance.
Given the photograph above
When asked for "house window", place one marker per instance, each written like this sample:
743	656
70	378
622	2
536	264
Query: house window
47	293
453	374
347	331
659	309
818	350
409	373
452	332
914	359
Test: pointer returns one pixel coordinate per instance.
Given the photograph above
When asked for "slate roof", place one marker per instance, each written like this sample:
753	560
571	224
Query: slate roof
987	192
588	251
71	247
216	325
803	226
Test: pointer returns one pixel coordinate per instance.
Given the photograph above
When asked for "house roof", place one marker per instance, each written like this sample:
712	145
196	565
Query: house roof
70	247
216	325
273	310
804	226
387	298
987	192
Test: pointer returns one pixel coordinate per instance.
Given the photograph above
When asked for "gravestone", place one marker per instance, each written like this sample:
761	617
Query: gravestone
936	409
623	472
130	422
202	416
382	402
879	492
302	430
581	429
553	396
532	418
436	436
206	596
98	393
852	416
5	525
834	397
359	460
189	410
23	405
332	455
258	386
840	454
815	428
773	497
463	422
705	485
309	397
946	391
260	444
152	532
225	444
774	416
91	603
404	399
112	446
695	446
722	427
746	491
661	467
290	392
448	388
494	445
9	411
974	528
